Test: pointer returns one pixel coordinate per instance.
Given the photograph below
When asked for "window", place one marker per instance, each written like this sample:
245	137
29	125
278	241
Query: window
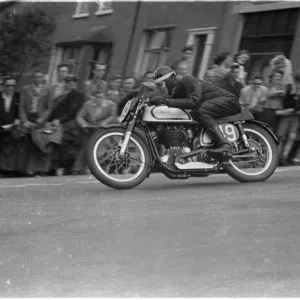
82	10
155	50
268	33
104	7
71	57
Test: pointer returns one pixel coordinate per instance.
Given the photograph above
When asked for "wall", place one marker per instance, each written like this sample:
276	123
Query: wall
185	15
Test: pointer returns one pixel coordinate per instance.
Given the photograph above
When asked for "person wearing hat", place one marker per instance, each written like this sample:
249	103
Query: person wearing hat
209	102
63	115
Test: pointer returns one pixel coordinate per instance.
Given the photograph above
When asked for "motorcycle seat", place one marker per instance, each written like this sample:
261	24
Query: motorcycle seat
244	115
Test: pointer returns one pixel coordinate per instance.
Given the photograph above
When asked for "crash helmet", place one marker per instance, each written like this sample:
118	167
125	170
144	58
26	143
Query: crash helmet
163	73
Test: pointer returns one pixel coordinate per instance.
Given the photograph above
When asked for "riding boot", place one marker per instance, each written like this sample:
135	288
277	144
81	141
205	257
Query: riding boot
222	146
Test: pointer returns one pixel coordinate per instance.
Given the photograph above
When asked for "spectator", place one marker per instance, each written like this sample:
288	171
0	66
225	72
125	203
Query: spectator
96	112
58	88
148	77
296	158
128	86
96	83
63	117
34	107
243	59
230	82
1	84
275	95
289	123
134	94
12	148
281	63
222	63
254	96
113	92
182	69
186	56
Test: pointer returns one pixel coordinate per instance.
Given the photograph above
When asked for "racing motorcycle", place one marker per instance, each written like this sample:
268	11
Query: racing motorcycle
168	140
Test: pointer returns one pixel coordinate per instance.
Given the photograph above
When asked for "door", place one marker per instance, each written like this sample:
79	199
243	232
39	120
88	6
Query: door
200	44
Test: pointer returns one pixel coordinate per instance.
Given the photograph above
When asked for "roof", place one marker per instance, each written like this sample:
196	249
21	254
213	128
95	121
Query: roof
95	35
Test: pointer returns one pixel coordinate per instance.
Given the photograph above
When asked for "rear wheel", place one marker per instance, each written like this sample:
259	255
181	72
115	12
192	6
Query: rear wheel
264	161
106	164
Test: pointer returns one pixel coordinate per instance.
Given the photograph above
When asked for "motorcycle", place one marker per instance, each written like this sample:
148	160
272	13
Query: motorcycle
168	140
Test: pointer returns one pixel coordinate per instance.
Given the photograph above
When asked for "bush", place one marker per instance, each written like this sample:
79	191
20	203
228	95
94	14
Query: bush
25	40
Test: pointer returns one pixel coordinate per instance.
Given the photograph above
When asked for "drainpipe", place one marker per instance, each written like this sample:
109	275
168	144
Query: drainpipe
133	30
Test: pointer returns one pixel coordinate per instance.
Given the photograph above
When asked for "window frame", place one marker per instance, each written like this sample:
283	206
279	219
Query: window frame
79	14
145	52
100	11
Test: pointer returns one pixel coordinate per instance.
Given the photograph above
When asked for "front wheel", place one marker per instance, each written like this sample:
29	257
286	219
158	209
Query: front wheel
106	164
264	162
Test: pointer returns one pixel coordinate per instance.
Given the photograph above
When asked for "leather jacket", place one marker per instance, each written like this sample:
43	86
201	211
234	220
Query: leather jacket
191	92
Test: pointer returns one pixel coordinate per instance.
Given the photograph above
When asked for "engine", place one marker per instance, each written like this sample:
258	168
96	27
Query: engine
174	136
177	140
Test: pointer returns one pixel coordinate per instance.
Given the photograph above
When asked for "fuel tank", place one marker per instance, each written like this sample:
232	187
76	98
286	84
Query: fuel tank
165	114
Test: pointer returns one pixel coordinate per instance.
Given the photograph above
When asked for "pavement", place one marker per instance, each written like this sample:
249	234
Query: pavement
201	237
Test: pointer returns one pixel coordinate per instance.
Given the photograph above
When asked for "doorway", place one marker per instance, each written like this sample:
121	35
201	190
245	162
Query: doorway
202	40
200	44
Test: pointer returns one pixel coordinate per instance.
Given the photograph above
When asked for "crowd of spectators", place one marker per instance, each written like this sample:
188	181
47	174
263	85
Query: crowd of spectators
272	97
44	128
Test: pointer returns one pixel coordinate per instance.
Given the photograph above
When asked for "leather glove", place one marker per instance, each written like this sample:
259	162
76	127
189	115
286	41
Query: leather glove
159	100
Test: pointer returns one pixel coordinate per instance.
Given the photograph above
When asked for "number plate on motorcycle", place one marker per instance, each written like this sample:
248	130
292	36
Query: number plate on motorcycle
230	132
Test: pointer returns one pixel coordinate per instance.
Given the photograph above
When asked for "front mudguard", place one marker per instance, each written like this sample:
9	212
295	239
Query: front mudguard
266	127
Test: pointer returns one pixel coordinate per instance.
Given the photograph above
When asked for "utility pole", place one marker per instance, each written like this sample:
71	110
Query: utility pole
132	34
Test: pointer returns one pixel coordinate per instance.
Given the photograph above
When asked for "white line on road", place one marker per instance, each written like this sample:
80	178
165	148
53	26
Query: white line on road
84	182
13	186
47	184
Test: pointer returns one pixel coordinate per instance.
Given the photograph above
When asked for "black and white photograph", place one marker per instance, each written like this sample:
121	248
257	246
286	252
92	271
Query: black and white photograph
149	149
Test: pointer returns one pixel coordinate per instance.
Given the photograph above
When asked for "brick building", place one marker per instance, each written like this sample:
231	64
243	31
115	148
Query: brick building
133	37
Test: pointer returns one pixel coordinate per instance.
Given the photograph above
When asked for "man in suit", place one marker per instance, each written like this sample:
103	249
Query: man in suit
35	106
11	154
35	101
58	88
63	115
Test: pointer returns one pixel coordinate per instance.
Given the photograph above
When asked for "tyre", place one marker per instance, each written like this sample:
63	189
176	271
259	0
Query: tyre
267	161
102	154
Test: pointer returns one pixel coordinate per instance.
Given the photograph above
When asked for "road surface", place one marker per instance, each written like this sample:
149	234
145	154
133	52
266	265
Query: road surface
202	237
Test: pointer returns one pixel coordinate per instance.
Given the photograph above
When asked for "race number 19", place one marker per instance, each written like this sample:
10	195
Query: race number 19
229	131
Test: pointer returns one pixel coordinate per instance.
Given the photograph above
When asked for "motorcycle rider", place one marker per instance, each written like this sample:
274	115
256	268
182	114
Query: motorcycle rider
208	102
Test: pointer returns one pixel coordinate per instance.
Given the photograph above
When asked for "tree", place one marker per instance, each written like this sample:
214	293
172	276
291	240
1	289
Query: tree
25	40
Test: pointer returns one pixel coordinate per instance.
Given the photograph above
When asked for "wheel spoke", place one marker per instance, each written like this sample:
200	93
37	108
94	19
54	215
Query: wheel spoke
261	158
112	165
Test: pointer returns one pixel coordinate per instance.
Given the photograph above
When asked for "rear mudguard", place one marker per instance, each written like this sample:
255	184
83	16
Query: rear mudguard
266	127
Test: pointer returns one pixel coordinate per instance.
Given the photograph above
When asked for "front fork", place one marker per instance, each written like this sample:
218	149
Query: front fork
127	136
